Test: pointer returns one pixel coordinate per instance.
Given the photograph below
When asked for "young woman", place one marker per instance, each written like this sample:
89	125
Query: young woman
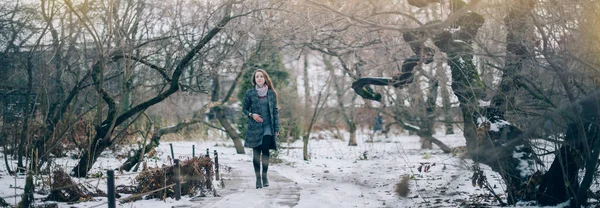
260	106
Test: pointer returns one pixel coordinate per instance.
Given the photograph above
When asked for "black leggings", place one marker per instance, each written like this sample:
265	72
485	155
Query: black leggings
263	150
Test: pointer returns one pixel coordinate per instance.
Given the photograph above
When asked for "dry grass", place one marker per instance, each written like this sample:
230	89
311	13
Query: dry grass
402	188
193	177
64	189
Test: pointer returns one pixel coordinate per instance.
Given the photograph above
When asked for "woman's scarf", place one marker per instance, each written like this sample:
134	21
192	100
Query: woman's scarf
262	91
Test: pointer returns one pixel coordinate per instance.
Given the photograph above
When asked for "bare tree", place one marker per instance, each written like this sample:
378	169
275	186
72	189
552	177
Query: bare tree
102	139
486	126
321	101
347	111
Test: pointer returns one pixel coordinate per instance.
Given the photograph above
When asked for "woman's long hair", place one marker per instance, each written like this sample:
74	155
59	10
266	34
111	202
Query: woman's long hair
267	80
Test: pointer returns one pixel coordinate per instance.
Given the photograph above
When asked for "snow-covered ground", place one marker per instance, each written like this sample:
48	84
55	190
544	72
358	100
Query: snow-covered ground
336	175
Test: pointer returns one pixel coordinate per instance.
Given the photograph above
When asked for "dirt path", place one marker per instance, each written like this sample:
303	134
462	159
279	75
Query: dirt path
240	190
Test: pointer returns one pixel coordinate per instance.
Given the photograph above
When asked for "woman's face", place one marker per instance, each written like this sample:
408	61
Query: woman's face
259	78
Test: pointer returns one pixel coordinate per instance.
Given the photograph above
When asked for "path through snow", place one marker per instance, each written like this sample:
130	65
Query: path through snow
240	191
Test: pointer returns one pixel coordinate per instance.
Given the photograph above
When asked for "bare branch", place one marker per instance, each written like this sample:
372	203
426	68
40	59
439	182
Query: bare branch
472	5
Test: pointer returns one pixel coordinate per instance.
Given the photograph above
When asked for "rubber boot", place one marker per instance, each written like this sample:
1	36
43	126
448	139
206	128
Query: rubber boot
265	182
258	182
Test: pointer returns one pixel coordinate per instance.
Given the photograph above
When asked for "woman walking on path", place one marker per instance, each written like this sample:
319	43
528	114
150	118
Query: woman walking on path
260	106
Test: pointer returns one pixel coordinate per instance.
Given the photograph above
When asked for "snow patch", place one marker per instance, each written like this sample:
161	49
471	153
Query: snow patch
483	103
495	126
524	167
460	41
412	126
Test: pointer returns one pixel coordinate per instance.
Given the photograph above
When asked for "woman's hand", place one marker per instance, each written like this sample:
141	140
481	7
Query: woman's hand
257	118
276	133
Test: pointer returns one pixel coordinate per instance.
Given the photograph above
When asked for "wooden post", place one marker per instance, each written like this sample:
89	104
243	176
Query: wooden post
207	168
172	154
216	165
112	203
208	177
193	151
177	182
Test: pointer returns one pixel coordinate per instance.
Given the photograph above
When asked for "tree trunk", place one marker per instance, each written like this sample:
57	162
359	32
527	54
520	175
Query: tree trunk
89	156
126	101
346	111
561	182
564	168
27	199
3	203
54	117
222	117
446	105
307	104
305	79
60	102
480	139
519	28
352	140
237	139
27	113
4	139
429	120
305	155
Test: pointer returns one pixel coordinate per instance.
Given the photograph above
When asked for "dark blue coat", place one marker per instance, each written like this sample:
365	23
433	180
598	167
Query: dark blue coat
254	133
